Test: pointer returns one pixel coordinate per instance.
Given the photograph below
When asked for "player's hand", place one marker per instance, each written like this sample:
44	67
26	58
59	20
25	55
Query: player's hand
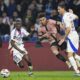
61	41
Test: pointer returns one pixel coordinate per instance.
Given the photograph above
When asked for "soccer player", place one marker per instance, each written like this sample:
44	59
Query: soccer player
76	22
17	46
49	31
71	35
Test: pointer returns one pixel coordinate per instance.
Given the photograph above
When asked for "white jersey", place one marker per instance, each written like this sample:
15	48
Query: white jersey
17	37
73	37
68	20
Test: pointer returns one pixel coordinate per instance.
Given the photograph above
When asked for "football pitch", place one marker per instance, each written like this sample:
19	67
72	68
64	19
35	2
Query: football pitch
43	75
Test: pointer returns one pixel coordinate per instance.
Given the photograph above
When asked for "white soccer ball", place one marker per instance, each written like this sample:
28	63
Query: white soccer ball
5	73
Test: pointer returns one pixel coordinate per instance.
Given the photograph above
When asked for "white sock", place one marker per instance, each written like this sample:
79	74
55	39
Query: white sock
77	57
73	63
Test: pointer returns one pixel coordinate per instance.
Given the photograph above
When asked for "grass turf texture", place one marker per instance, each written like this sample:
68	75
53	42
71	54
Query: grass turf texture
43	75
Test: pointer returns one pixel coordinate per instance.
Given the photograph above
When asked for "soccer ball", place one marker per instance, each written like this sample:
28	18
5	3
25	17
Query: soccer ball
5	73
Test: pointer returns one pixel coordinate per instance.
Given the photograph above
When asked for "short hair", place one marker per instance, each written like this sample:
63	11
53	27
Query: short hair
40	15
18	20
62	5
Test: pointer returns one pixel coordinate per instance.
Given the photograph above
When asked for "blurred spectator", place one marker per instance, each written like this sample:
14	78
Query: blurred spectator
39	6
19	10
3	7
69	3
33	4
11	8
1	32
24	5
33	8
77	6
18	1
5	18
37	24
29	10
6	2
28	19
76	2
1	24
4	30
28	16
54	15
11	24
15	15
48	9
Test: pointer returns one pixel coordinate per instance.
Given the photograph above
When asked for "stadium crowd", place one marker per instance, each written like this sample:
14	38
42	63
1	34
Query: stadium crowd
28	11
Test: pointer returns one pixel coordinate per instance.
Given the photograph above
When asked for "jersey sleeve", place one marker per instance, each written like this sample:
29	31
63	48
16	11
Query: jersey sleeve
25	33
73	16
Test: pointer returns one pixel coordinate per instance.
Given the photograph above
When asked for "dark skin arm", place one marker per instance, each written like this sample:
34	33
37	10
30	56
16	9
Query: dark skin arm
14	45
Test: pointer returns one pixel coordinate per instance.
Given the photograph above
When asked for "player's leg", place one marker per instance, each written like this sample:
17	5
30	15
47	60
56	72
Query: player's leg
27	58
17	58
55	51
72	46
77	58
18	61
73	62
20	64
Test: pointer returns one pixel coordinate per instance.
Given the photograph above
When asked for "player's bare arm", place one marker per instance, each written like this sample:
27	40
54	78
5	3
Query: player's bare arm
14	45
76	17
67	31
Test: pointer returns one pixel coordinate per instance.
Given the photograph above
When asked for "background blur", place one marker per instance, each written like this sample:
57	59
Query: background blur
28	11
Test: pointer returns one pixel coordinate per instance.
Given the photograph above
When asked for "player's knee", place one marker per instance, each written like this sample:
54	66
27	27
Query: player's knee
27	57
55	52
70	54
29	63
20	65
59	56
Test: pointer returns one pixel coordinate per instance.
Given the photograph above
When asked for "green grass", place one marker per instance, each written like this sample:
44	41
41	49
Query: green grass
43	75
